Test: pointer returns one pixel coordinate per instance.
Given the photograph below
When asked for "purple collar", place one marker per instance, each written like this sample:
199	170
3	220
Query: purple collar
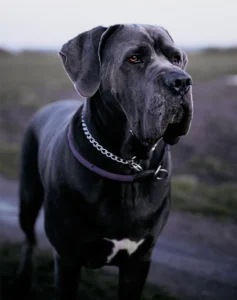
158	174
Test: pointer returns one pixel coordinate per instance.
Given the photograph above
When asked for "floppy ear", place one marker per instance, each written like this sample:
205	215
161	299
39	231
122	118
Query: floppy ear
185	60
81	61
105	37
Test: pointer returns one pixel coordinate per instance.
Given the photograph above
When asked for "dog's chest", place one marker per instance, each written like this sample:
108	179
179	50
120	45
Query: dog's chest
125	244
107	251
127	206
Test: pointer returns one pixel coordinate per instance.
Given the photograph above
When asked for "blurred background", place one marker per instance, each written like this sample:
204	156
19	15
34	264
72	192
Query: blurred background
196	256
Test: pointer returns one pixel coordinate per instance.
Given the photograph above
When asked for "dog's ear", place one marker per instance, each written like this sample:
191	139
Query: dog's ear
81	61
185	60
80	57
105	37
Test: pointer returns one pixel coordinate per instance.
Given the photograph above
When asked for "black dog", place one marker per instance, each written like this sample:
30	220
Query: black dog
102	169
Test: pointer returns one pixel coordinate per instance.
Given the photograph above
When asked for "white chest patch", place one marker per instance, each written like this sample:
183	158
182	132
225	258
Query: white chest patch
124	244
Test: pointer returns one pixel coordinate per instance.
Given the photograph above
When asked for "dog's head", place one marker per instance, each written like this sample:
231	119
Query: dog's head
140	68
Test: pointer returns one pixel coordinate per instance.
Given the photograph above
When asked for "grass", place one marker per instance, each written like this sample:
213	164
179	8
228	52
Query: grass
28	81
9	160
212	167
30	73
95	285
212	64
216	200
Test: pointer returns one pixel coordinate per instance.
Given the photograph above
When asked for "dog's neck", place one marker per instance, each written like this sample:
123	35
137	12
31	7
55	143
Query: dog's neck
109	126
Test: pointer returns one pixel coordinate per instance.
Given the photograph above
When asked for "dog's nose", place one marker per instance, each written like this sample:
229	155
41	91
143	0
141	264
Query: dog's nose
179	81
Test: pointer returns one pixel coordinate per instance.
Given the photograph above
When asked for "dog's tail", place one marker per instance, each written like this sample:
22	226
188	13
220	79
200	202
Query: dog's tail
31	190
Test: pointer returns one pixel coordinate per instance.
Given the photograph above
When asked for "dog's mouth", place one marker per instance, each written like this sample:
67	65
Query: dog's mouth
175	130
171	134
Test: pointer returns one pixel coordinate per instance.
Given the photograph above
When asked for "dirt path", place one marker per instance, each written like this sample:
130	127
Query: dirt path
195	257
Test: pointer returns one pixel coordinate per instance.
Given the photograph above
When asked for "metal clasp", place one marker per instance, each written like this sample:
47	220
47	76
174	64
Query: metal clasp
134	165
160	170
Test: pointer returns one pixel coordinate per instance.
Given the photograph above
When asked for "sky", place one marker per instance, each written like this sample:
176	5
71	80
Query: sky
47	24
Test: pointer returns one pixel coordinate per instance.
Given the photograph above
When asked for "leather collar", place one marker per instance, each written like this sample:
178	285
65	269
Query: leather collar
154	174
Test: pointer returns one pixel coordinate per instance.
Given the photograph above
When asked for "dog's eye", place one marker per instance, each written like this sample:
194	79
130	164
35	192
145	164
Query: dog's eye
176	60
135	59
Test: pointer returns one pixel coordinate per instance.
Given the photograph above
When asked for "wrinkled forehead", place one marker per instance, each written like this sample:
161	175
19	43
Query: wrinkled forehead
130	36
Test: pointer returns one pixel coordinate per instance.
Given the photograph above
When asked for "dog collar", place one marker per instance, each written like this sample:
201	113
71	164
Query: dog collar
157	174
131	162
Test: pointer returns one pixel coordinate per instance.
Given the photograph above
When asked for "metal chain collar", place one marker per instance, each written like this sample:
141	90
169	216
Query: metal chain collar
131	163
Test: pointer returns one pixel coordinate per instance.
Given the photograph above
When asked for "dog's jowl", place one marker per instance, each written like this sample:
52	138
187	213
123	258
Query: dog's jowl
101	164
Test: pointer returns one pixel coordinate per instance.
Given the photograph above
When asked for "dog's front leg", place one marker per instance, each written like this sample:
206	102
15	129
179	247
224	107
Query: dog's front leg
132	277
67	274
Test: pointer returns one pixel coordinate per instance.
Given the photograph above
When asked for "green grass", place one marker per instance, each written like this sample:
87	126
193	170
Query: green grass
219	170
28	74
9	160
216	200
95	285
28	81
213	64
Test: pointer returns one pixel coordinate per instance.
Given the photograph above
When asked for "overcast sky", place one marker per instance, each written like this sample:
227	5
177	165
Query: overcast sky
47	24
